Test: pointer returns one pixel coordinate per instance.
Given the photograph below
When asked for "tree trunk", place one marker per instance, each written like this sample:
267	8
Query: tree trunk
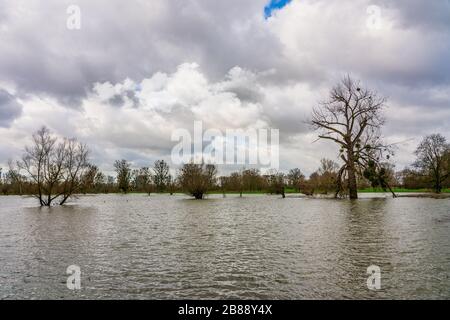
392	191
198	195
352	185
438	185
64	200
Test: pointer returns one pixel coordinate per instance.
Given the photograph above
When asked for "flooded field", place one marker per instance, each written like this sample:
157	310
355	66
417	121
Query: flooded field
255	247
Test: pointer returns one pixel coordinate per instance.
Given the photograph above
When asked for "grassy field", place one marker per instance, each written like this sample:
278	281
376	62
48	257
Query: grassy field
367	190
401	190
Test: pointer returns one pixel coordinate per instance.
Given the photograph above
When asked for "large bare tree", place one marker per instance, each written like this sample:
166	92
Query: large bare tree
352	118
55	166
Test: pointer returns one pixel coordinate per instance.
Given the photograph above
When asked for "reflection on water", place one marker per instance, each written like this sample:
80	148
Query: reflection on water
257	247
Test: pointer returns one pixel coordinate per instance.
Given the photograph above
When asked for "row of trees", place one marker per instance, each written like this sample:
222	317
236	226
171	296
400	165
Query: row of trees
148	180
53	170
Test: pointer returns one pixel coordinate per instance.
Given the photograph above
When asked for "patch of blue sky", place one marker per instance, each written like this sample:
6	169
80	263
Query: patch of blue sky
274	5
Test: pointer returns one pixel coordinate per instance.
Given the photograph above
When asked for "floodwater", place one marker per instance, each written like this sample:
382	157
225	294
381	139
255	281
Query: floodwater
255	247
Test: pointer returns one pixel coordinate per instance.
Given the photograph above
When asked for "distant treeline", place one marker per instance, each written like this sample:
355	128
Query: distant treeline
63	173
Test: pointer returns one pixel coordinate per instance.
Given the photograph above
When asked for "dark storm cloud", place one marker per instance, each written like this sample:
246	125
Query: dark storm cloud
432	15
119	40
119	100
137	38
10	109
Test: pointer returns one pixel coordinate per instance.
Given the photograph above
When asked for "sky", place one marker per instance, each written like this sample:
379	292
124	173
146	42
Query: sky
274	5
138	70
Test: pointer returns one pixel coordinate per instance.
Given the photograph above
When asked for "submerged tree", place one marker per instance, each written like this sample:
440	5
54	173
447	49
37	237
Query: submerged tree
235	182
295	178
143	180
88	179
197	179
55	166
433	159
352	118
161	175
327	175
15	178
171	185
276	183
123	170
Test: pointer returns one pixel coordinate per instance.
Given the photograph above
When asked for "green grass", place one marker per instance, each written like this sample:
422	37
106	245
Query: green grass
236	192
366	190
400	190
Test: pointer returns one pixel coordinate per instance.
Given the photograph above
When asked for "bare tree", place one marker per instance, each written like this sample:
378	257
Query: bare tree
352	118
236	182
197	179
75	162
251	179
276	182
171	185
100	182
295	178
16	178
327	175
123	170
88	179
55	166
433	159
161	175
144	180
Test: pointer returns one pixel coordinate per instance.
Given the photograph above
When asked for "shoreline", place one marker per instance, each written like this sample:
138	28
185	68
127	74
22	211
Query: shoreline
400	194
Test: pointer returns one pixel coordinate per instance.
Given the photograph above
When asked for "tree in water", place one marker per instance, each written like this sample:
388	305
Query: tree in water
123	170
352	118
56	166
236	183
88	179
433	159
327	175
142	180
295	178
161	175
276	182
197	179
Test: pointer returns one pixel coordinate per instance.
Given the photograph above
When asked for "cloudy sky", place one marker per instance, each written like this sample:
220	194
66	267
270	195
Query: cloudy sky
139	69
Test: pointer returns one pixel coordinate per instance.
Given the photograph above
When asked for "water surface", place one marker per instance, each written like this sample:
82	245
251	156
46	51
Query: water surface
256	247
